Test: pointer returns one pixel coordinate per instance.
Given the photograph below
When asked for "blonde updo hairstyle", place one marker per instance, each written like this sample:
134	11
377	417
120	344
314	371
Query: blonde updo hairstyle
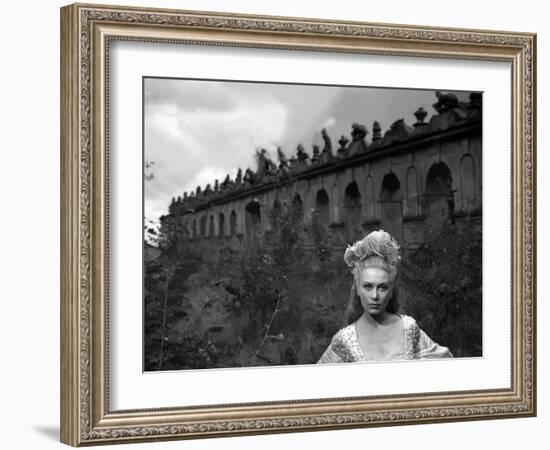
377	249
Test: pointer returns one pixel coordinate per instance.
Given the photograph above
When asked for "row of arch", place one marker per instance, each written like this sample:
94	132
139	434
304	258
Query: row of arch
434	197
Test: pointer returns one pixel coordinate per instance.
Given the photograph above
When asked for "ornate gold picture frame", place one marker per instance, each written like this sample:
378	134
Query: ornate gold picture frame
87	34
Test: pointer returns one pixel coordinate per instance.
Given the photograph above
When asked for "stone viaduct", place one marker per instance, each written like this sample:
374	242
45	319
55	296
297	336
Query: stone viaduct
403	181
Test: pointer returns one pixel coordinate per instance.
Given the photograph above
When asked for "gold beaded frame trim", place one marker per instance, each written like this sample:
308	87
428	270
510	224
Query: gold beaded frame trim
86	31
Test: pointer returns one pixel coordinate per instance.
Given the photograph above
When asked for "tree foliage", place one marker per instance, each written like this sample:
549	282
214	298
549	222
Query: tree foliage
280	298
443	282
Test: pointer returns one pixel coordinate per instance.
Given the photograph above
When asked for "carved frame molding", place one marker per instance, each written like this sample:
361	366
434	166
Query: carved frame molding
86	31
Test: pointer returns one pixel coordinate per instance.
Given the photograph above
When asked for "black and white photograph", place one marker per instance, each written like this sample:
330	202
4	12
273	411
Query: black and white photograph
291	224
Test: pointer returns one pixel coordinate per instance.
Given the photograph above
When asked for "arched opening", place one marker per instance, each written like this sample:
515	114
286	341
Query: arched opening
439	195
391	206
221	225
274	215
203	226
322	207
233	223
468	183
335	204
297	206
352	211
211	228
413	208
371	198
187	230
253	220
390	187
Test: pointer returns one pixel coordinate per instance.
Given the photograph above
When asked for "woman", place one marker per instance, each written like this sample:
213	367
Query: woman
375	332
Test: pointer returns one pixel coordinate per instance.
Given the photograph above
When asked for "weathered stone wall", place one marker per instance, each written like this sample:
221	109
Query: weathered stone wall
405	182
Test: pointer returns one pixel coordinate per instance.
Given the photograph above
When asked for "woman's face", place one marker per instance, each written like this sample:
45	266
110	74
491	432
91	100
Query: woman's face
374	286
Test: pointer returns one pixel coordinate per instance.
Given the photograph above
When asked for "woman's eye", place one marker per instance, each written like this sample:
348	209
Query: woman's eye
383	288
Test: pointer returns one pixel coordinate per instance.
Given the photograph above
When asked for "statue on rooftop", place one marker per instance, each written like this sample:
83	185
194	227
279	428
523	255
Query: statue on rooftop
326	139
283	161
226	182
265	165
301	154
445	102
398	125
420	115
358	132
475	100
343	141
316	154
376	132
249	177
239	177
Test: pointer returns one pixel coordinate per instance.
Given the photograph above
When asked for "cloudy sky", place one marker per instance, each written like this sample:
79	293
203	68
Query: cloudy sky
197	131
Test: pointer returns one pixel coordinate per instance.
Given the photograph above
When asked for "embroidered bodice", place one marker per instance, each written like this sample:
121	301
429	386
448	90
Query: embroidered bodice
345	347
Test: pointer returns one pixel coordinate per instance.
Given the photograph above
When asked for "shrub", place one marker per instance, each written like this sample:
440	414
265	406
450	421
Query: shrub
442	281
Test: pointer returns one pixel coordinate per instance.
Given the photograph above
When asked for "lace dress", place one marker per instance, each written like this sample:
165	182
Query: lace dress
344	346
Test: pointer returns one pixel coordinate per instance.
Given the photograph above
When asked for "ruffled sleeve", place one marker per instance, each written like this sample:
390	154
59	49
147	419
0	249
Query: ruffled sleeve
430	349
339	350
329	357
422	345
